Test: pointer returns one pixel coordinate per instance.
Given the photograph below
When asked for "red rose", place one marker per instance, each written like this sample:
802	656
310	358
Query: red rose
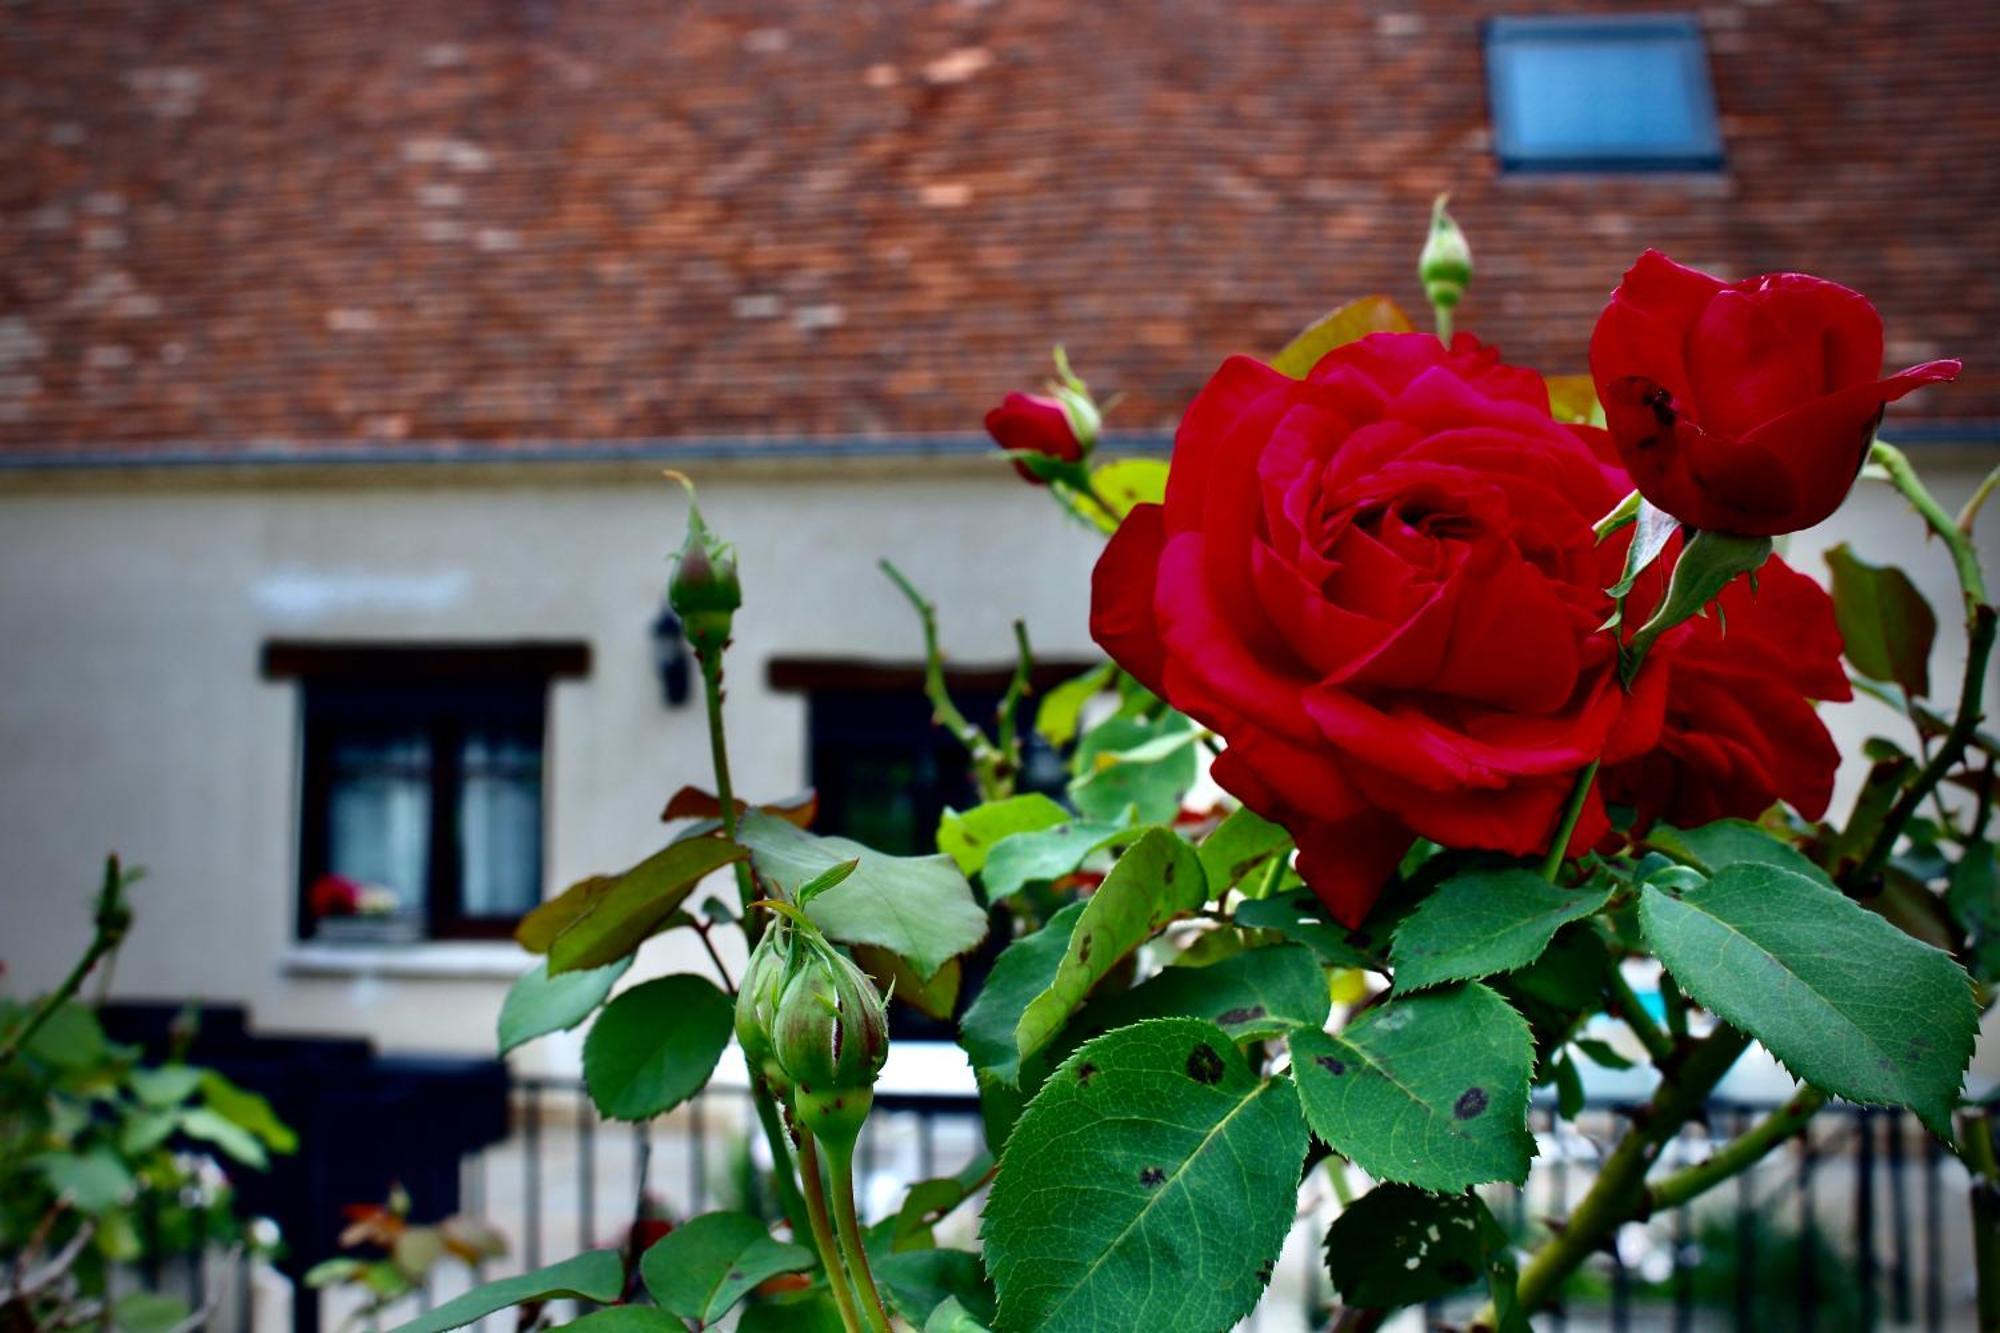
1029	423
1380	584
333	895
1743	407
1739	731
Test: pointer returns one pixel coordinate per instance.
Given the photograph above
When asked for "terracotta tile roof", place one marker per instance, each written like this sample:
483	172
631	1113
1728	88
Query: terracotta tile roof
516	220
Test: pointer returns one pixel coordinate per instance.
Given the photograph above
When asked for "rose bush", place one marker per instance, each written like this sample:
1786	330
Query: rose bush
1390	596
1743	407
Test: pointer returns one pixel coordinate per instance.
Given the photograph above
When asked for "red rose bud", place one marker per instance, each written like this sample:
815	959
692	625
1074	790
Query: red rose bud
1743	407
1445	266
1031	425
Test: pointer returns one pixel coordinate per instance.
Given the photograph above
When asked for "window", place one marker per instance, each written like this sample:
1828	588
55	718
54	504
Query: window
422	788
1601	93
885	771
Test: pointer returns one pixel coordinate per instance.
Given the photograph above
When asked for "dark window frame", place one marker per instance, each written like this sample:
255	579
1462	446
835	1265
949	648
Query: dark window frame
1702	152
441	691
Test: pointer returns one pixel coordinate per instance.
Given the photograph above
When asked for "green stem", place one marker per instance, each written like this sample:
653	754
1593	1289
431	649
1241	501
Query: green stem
1559	845
989	764
1441	314
1632	1010
1979	633
822	1233
112	918
1741	1153
725	792
797	1209
1619	1194
1676	1006
840	1170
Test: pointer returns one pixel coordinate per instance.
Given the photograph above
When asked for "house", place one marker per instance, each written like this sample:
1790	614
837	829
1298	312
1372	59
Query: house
341	347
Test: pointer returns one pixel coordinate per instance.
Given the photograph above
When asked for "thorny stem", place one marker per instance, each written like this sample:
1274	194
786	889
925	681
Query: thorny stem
822	1233
1738	1155
111	920
702	929
1979	632
794	1207
994	766
1559	845
840	1170
1619	1191
1629	1008
725	792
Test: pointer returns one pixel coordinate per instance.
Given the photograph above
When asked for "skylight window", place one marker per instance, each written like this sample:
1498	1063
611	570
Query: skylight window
1601	93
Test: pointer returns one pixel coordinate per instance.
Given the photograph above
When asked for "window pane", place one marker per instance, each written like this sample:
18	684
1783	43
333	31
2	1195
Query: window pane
379	815
500	825
1602	93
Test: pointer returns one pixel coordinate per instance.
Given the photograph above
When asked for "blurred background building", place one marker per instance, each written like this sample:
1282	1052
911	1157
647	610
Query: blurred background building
341	347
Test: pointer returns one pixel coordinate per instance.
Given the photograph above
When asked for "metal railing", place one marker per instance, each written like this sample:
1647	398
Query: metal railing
1859	1222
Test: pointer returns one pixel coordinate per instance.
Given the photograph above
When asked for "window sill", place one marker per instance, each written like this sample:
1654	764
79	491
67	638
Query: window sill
470	960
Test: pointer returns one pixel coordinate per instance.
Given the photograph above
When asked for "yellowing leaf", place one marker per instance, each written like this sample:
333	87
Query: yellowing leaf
1357	319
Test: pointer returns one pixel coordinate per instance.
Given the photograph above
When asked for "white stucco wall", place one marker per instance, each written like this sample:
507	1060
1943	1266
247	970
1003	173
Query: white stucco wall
133	716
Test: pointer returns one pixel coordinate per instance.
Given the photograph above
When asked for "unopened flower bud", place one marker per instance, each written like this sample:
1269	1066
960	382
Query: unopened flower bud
757	1005
704	591
832	1037
1445	266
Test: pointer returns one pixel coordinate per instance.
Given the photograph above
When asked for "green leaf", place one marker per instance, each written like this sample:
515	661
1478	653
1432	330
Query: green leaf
1885	622
1482	922
951	1317
93	1181
1061	709
1244	842
703	1267
934	997
1974	900
1337	328
638	903
917	1282
1127	762
231	1138
814	1312
1708	563
148	1312
627	1319
168	1085
919	907
1570	973
1299	916
70	1038
1398	1246
1045	855
1259	993
1655	528
1158	879
1024	970
1601	1053
146	1129
1715	847
1851	1004
967	838
247	1109
539	1004
655	1046
1127	483
596	1276
1569	1088
1150	1184
1429	1090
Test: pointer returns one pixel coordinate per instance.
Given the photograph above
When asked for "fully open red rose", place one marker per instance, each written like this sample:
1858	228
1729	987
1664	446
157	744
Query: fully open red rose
1030	423
1380	584
1743	407
1739	731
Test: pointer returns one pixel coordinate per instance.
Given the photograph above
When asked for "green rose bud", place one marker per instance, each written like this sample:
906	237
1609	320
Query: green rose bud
832	1036
1445	266
757	1005
704	591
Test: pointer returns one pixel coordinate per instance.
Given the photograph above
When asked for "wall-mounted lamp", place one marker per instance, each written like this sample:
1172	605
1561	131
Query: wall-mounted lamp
670	658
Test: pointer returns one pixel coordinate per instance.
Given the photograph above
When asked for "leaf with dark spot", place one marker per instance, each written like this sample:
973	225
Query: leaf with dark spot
1152	1177
1471	1104
1204	1065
